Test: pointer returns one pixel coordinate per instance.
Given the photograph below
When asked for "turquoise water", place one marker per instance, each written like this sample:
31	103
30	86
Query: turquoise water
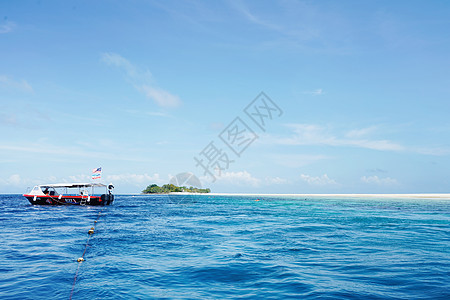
218	247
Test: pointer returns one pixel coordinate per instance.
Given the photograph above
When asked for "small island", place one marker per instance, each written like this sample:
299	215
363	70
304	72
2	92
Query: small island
171	188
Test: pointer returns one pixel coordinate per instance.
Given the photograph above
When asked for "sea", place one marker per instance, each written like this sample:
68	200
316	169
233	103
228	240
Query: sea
227	247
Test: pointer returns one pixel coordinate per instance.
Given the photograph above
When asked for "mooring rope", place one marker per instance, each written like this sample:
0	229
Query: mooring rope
60	202
81	259
56	199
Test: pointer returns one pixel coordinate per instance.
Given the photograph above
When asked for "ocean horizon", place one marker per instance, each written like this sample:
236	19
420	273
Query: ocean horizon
443	196
357	195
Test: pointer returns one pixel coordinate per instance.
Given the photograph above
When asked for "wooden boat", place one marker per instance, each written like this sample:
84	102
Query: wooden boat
70	194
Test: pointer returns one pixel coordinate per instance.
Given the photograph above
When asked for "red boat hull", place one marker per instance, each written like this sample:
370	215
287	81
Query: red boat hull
104	199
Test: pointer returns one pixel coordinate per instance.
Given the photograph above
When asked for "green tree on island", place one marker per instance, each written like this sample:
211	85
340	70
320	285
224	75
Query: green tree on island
171	188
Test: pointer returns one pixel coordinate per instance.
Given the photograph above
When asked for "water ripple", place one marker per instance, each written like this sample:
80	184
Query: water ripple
218	247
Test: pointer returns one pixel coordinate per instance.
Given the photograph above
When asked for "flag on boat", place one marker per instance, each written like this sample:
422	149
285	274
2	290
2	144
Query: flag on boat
97	173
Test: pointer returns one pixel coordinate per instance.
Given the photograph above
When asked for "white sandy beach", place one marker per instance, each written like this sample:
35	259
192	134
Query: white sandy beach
440	196
409	196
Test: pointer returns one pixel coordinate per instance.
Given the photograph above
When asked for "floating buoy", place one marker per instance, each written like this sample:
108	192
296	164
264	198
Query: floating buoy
91	231
257	200
95	221
80	259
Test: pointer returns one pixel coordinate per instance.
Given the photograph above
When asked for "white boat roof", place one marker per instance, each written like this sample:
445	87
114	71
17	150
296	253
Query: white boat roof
72	185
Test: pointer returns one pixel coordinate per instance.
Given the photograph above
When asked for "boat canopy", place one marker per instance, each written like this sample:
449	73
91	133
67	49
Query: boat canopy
72	185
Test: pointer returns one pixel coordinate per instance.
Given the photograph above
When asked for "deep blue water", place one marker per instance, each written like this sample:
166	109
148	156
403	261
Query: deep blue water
218	247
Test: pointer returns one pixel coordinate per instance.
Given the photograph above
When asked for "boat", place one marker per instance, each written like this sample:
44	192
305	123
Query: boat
70	194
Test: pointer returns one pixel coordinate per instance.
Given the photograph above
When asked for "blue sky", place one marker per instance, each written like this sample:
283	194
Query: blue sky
140	88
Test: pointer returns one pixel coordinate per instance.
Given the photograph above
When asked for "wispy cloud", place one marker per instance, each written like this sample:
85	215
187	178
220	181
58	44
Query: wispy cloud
299	24
7	26
379	181
276	180
376	170
8	119
44	147
310	134
18	181
161	97
139	180
131	71
360	132
317	92
21	85
437	151
318	180
297	160
149	113
241	8
141	80
158	114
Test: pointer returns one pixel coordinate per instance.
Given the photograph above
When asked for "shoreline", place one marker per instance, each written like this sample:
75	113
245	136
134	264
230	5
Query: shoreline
444	196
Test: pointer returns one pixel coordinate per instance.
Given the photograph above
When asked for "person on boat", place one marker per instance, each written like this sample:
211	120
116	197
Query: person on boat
46	191
110	187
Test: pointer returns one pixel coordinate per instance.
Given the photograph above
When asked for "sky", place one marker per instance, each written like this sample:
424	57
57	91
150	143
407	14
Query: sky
249	96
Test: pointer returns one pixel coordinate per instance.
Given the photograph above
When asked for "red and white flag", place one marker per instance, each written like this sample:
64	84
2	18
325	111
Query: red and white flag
97	173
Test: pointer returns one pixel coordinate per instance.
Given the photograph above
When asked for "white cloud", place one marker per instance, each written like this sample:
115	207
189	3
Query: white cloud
379	181
21	85
6	27
318	180
241	178
136	179
142	81
79	178
244	178
310	134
